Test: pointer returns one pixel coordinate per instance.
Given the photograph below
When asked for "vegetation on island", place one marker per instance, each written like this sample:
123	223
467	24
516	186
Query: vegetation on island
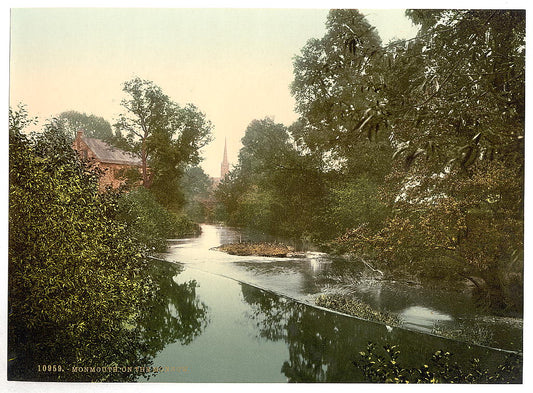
408	154
352	306
260	249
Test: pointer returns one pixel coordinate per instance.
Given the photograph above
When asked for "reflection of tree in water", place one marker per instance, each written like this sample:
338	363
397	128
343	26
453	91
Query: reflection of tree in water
317	352
172	313
323	345
175	314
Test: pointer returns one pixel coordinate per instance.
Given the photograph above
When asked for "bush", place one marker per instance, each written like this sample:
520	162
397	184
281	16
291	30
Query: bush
356	307
439	369
149	222
76	288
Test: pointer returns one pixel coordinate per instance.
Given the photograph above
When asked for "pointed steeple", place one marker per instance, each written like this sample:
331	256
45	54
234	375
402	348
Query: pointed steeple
224	167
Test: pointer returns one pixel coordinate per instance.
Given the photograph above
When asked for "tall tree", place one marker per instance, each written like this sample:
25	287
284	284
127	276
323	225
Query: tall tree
450	103
460	129
336	85
166	136
93	126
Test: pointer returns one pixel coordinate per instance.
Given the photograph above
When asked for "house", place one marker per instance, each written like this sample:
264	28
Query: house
113	161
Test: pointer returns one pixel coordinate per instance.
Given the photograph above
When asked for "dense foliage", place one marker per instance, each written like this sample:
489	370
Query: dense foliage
166	136
196	187
275	187
388	368
71	122
75	283
353	306
149	222
409	154
81	293
454	102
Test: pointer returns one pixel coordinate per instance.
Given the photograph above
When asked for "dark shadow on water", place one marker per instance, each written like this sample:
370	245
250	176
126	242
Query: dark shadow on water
322	345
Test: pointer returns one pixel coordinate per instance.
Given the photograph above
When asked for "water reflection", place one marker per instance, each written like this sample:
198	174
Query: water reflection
176	315
121	353
423	318
322	346
304	278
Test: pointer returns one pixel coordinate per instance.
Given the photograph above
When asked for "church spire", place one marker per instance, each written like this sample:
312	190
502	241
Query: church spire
224	167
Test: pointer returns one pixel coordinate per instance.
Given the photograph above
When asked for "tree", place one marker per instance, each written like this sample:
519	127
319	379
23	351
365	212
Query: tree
275	187
196	186
337	85
464	113
166	136
466	96
149	222
93	126
450	105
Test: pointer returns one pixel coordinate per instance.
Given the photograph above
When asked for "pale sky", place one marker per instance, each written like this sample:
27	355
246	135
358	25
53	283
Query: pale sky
235	65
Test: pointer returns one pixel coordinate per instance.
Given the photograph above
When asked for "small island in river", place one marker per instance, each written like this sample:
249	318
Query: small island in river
278	250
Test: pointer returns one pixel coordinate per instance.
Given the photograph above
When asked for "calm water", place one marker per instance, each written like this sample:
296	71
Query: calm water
244	334
303	279
213	327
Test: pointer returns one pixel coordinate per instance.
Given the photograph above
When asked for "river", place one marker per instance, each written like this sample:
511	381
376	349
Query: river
252	319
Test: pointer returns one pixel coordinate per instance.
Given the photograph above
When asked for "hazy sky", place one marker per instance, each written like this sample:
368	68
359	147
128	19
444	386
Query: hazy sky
234	64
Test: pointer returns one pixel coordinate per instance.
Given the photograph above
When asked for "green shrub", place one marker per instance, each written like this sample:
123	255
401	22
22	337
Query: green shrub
76	284
149	222
439	369
356	307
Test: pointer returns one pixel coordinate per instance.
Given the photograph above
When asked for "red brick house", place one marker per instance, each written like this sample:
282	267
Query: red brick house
113	161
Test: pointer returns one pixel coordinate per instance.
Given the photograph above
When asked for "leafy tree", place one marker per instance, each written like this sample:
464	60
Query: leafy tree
336	85
275	187
166	136
464	112
466	96
450	103
71	122
149	222
80	293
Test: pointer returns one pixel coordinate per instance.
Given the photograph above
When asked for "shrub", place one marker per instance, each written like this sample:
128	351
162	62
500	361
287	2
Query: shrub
356	307
76	288
439	369
149	222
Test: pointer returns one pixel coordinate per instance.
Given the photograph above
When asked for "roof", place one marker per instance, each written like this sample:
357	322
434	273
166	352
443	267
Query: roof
112	155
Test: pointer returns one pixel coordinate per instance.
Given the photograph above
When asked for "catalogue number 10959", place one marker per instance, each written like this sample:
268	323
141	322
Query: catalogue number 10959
49	368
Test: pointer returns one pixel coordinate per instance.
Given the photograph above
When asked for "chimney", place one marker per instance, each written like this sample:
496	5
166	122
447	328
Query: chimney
79	135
